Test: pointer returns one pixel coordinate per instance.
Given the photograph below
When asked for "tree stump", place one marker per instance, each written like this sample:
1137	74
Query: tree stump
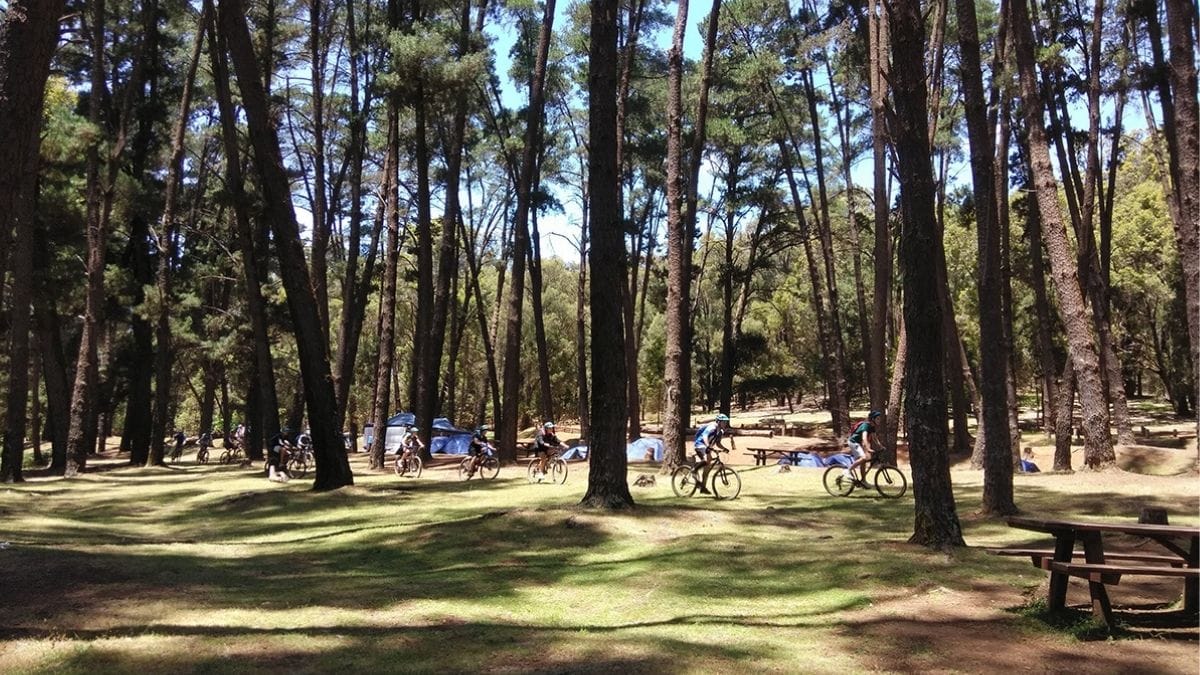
1152	515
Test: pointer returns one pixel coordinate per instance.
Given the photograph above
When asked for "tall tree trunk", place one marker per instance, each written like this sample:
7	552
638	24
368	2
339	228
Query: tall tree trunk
1185	166
677	381
677	353
841	398
1064	406
28	37
443	300
607	485
936	522
581	344
1081	339
728	343
881	312
332	467
265	417
385	364
135	437
54	360
507	436
633	400
167	234
993	366
545	398
320	218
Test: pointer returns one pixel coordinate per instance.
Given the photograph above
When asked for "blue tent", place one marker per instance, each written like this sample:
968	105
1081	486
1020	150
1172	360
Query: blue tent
456	444
442	428
805	459
577	452
645	449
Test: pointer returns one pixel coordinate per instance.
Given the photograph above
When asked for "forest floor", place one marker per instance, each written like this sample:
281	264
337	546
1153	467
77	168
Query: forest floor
211	568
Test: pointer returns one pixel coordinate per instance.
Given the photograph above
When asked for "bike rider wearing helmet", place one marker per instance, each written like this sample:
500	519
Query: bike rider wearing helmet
862	442
277	451
706	437
545	443
478	447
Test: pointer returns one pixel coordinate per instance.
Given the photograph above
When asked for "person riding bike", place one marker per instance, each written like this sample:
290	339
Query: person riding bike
708	436
411	442
277	451
862	442
180	439
205	442
479	446
544	444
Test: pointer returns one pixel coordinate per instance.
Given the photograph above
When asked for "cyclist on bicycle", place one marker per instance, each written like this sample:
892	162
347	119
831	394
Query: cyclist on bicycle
862	444
411	442
205	442
277	451
478	447
545	444
706	437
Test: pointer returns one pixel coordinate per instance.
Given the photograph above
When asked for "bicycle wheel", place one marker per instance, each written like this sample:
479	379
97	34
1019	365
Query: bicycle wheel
488	467
531	472
558	471
835	483
202	456
890	482
463	468
726	483
297	467
683	481
409	466
226	456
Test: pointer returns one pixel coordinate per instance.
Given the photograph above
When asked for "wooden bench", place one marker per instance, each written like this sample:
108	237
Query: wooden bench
1042	557
1111	574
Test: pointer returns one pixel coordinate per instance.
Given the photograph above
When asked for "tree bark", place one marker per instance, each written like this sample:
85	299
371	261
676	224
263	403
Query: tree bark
993	367
387	304
936	522
265	418
507	436
1080	335
54	360
28	38
881	311
166	237
1185	165
607	485
332	467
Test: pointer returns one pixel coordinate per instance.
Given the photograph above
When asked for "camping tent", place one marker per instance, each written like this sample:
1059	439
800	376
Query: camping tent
444	432
641	450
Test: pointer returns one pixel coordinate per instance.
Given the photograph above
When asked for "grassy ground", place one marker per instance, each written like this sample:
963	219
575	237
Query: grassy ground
213	569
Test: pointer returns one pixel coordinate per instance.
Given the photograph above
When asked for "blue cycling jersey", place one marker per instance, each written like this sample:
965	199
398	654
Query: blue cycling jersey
708	434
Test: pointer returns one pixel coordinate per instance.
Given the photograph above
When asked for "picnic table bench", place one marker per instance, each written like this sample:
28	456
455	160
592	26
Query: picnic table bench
1098	568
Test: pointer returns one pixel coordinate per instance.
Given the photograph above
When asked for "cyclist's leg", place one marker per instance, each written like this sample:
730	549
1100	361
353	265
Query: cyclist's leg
860	458
704	466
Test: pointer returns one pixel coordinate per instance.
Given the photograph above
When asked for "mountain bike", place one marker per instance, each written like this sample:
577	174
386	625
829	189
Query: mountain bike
408	463
485	463
888	480
299	457
723	482
556	469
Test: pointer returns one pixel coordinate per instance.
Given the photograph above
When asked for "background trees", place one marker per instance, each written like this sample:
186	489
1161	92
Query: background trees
182	269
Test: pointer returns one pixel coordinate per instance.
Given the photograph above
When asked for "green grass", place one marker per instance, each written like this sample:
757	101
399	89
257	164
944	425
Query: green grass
213	569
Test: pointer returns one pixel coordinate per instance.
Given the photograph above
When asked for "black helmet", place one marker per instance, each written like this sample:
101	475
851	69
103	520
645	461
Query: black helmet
874	414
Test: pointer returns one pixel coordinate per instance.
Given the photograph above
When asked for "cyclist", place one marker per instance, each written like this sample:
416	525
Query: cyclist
478	446
706	437
411	442
205	442
180	439
544	444
862	444
277	451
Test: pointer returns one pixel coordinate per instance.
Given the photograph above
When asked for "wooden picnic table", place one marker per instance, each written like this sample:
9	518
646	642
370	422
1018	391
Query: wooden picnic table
792	452
1181	542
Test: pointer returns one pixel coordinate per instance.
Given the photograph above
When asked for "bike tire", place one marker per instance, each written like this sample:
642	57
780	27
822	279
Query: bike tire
463	468
489	467
726	483
202	457
226	456
531	471
558	471
409	466
297	468
835	483
683	481
890	482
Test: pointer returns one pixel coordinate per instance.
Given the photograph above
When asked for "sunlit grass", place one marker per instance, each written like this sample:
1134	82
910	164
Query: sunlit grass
213	568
